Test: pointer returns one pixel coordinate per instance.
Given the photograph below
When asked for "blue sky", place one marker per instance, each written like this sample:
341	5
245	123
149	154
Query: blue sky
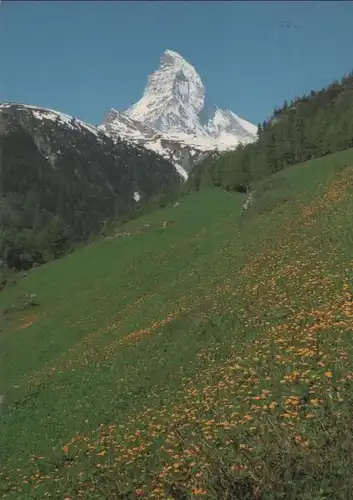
84	57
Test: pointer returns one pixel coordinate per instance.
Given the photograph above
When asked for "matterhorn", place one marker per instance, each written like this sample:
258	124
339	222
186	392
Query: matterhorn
174	118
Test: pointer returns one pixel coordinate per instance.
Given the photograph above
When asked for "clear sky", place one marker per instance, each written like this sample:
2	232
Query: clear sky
84	57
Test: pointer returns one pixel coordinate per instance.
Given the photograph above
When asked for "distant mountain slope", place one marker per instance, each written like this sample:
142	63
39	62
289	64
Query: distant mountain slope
61	179
174	118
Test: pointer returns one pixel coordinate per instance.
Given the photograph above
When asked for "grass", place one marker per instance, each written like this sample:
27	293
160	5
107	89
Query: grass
210	359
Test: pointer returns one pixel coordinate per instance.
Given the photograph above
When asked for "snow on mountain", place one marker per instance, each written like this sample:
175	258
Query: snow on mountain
225	122
37	118
173	97
50	114
174	119
119	123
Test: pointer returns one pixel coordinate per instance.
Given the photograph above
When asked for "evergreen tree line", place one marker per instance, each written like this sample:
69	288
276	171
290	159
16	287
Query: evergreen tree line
308	127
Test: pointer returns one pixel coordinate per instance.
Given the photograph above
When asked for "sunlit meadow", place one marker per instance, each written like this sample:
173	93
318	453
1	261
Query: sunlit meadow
211	358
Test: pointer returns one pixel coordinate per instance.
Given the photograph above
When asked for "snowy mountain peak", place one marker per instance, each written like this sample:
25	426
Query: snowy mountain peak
171	57
173	97
174	110
173	54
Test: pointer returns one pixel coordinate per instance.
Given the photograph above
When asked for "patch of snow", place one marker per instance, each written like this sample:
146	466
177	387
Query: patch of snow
157	147
250	127
181	171
49	114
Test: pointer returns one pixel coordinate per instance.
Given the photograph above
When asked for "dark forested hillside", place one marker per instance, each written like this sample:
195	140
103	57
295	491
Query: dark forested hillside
310	126
62	180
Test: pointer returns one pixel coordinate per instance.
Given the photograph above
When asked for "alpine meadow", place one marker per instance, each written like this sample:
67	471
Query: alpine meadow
194	341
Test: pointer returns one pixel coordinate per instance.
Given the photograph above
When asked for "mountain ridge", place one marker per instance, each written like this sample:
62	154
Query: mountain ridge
62	181
174	108
173	118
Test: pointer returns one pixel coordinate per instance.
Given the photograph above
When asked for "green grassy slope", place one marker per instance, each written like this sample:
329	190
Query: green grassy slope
211	358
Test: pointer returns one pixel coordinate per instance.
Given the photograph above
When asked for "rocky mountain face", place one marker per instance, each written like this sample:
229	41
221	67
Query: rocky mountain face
61	179
174	118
